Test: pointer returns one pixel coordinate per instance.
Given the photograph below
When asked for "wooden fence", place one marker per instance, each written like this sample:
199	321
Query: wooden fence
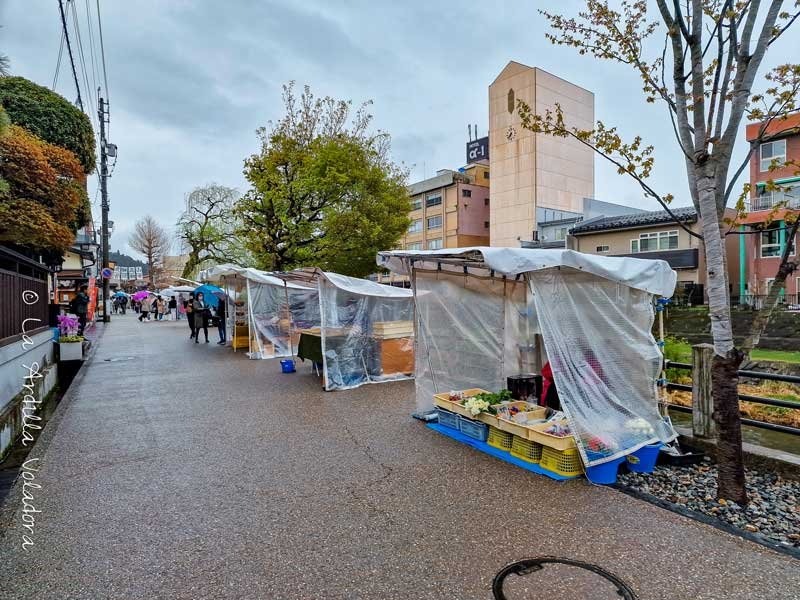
23	295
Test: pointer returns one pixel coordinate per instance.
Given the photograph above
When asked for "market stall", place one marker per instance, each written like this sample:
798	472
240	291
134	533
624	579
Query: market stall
366	331
565	322
266	311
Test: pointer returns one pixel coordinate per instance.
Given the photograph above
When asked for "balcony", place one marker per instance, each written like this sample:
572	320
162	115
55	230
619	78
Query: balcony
790	199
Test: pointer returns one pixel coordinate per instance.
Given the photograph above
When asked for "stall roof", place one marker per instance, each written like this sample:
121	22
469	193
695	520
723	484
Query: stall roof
653	276
216	273
363	287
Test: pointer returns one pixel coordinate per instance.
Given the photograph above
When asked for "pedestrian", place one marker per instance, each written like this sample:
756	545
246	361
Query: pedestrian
189	308
80	306
201	311
162	308
221	321
123	303
154	307
173	309
181	306
145	309
115	305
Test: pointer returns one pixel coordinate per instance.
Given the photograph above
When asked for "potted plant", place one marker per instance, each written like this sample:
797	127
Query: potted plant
70	344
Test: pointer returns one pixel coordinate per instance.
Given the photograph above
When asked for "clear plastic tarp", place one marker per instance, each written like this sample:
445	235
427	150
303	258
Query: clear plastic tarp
477	326
367	332
278	311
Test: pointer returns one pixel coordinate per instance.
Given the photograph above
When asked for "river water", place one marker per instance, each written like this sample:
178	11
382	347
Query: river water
754	435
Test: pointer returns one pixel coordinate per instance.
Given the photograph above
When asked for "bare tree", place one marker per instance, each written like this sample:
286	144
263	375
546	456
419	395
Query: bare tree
5	66
150	240
207	227
703	74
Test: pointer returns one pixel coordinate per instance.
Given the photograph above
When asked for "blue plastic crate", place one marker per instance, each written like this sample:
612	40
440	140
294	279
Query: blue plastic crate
473	429
447	418
644	459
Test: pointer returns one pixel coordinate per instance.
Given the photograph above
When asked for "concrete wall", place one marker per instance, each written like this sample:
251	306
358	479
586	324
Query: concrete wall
530	169
12	373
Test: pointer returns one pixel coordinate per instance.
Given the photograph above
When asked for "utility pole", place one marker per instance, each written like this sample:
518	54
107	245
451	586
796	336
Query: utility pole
102	113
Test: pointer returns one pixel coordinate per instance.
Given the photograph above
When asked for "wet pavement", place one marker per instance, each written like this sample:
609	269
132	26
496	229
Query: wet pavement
185	471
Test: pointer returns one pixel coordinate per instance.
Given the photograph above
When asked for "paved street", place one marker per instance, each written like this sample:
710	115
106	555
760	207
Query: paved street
191	472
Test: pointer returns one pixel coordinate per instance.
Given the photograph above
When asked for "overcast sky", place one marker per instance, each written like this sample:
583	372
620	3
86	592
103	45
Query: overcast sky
190	81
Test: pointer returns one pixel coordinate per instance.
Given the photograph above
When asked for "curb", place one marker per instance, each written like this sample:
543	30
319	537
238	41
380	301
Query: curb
11	503
708	520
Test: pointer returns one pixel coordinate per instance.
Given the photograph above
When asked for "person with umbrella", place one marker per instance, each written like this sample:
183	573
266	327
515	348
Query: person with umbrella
145	313
189	306
221	320
201	311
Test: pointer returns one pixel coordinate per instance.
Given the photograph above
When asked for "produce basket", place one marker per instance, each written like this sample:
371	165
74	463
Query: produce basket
536	433
564	462
473	429
526	449
499	439
447	418
443	401
514	428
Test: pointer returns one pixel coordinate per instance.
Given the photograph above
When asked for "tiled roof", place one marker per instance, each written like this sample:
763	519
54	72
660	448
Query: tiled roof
686	214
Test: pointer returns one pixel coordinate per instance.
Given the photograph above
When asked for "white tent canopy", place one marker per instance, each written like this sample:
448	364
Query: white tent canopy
484	314
653	276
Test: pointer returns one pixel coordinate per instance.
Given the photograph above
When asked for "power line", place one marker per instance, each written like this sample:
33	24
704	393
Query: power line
103	59
69	50
58	62
91	43
82	58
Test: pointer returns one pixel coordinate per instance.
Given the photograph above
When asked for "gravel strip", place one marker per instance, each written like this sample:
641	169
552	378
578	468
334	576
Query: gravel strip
773	511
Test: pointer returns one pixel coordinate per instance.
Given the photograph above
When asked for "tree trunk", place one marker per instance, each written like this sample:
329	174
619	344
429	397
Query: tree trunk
730	461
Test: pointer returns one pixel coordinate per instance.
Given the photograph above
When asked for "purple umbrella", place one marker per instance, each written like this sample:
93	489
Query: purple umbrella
140	295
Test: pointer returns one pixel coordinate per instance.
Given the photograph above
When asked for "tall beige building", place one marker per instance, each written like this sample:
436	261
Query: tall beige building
530	170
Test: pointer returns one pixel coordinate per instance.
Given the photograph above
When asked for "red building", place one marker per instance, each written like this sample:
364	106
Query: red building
760	252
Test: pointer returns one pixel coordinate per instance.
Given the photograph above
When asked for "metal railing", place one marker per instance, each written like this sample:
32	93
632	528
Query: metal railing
756	301
744	397
769	201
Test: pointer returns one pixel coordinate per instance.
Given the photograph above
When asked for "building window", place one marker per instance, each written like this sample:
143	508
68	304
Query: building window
435	244
771	242
772	151
660	240
416	226
486	202
561	234
486	224
486	174
601	249
434	200
414	246
416	204
466	193
435	222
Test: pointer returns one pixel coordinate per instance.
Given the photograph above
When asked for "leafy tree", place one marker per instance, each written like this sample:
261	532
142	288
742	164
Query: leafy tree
43	197
703	74
150	240
207	227
324	191
50	117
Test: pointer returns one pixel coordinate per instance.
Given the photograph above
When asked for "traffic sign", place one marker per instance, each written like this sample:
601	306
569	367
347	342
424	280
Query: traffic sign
107	273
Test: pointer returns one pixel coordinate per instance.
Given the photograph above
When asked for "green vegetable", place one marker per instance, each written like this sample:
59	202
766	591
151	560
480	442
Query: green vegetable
492	399
65	339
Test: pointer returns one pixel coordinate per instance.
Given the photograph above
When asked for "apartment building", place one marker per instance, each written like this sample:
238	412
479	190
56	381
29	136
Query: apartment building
533	171
764	227
450	210
656	235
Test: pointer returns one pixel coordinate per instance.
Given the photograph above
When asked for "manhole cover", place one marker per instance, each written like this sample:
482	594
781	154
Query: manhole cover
119	358
550	577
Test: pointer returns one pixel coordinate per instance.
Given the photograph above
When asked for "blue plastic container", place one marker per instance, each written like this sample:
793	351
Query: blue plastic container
287	365
447	418
644	459
473	429
605	473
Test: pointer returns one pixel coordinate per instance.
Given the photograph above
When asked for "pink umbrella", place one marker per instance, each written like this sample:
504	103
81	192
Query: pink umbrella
140	295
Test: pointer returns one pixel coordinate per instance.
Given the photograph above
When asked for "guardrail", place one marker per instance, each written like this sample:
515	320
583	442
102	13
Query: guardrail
702	423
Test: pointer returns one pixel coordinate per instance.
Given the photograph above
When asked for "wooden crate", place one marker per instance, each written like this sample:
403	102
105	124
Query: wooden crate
397	356
518	429
536	433
443	401
393	329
